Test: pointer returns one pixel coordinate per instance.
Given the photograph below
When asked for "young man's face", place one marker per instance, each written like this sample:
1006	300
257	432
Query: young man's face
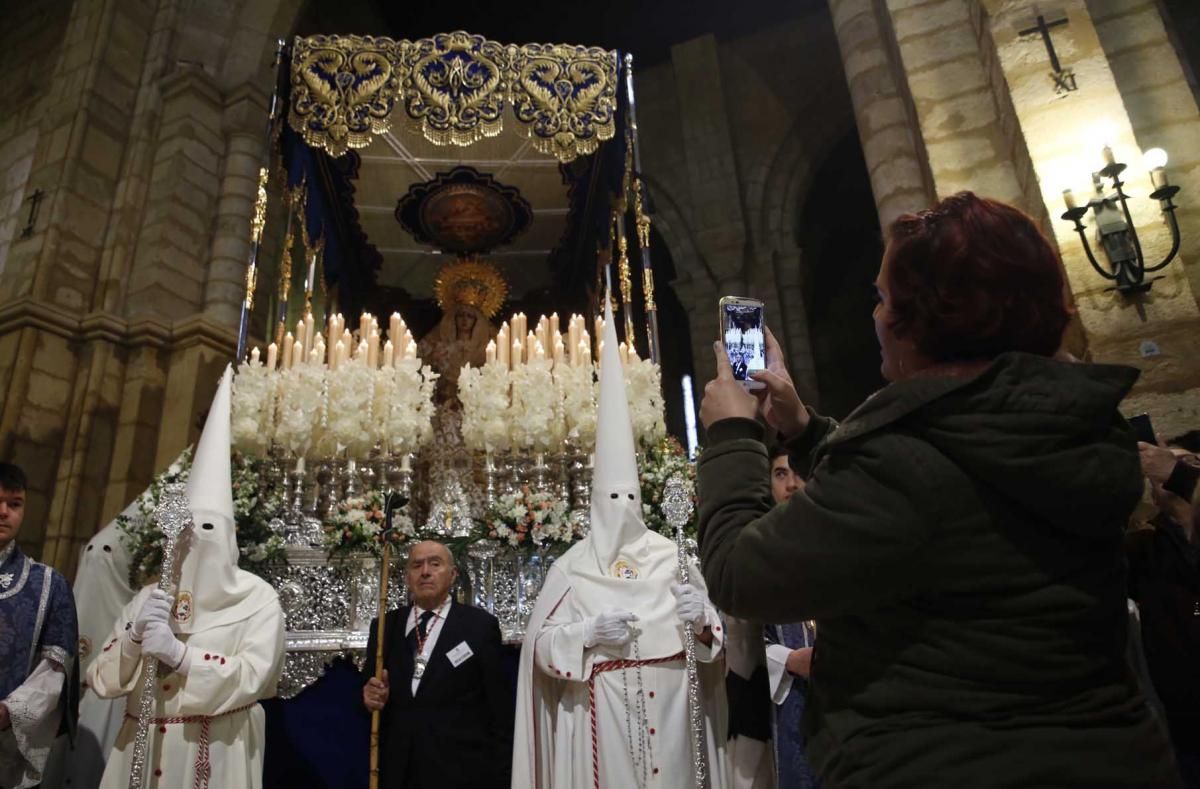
784	481
12	512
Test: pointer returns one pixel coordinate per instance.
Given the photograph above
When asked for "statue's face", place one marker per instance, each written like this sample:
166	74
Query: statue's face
464	323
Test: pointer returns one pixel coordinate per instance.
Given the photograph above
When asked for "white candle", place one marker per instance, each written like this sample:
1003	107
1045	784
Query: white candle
394	326
503	351
364	326
332	330
410	351
554	323
389	354
559	351
542	332
272	355
314	356
633	354
308	331
335	360
1107	153
287	351
1069	198
297	353
373	350
530	343
599	327
518	351
254	356
300	327
347	339
623	352
583	356
320	349
490	352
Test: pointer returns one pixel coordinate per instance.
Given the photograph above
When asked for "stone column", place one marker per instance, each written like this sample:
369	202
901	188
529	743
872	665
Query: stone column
891	142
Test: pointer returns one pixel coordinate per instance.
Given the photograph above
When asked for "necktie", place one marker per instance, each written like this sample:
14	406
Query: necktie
423	624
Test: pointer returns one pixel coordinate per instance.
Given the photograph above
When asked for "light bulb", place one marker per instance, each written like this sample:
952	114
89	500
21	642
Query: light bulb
1155	158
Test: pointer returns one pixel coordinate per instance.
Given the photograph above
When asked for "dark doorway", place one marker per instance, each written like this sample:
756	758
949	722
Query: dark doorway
839	232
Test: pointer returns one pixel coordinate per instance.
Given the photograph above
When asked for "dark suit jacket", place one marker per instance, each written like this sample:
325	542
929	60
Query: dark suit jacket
457	731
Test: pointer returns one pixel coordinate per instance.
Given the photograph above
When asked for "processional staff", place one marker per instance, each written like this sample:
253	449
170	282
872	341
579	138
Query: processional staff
678	508
173	518
392	501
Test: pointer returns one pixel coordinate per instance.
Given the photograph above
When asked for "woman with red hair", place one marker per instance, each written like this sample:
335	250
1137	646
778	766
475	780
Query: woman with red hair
960	538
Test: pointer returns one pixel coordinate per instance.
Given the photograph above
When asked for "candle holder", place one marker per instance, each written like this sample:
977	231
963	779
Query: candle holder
581	481
1114	224
327	489
539	471
489	479
351	487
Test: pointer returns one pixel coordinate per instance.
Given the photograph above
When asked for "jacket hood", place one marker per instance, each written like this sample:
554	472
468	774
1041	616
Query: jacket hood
1045	435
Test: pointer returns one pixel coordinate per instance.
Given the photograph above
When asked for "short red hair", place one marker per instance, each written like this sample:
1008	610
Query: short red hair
972	278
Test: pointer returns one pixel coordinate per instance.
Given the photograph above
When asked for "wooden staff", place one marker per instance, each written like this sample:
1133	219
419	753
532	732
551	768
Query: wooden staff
173	518
678	508
392	502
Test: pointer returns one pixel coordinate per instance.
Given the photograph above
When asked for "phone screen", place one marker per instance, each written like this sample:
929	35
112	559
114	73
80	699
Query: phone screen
742	329
1143	429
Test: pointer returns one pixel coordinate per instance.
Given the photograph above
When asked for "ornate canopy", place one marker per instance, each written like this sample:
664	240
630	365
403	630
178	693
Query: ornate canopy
455	87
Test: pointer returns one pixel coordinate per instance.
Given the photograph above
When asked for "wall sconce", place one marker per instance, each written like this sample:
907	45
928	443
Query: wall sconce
1114	225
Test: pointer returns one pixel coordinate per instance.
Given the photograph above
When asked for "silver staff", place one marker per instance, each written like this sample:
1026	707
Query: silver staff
173	518
677	506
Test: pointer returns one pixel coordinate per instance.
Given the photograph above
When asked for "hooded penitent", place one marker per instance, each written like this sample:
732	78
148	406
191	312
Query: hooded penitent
212	590
616	507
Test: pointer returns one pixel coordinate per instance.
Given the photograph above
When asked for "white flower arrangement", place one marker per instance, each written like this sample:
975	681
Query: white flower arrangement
577	385
484	394
349	419
404	405
643	386
300	408
524	519
252	423
535	417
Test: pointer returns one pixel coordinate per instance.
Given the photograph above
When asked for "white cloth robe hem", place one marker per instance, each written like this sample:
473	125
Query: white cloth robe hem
777	673
252	650
34	716
551	702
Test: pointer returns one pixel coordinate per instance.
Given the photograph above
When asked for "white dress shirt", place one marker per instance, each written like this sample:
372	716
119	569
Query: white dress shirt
431	632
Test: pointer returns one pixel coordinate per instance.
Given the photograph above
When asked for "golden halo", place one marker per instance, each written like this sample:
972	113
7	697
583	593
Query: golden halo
472	282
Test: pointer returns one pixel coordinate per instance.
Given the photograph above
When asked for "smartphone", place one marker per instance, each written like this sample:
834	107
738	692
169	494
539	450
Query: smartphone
1143	429
743	332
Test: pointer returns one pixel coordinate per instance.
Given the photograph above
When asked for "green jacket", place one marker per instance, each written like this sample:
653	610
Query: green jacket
960	544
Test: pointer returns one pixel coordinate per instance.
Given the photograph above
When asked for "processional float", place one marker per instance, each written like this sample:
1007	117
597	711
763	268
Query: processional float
489	178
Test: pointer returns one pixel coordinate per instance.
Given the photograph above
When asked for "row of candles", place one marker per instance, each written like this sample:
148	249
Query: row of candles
514	344
306	345
517	344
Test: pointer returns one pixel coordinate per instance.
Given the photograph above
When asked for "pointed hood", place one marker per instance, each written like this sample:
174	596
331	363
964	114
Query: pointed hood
212	590
616	507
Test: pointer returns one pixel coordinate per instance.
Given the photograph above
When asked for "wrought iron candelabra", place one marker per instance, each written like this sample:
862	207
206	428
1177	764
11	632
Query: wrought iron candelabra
1117	235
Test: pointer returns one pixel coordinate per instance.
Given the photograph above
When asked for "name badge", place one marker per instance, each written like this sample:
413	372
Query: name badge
459	654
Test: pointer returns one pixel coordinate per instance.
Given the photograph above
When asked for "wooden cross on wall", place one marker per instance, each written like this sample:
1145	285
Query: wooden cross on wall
1064	79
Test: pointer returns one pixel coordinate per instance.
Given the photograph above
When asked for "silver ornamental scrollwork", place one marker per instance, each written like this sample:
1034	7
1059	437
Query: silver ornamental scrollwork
455	86
344	89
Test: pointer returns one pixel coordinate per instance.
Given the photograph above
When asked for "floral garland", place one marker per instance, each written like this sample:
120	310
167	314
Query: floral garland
253	507
358	526
483	392
535	417
643	386
577	383
658	464
252	424
404	405
529	520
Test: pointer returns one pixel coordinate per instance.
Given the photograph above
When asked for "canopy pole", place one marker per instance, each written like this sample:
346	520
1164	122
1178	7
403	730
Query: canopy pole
642	219
259	220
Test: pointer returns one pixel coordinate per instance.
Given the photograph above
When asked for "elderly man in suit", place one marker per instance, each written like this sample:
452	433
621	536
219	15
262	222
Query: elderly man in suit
449	721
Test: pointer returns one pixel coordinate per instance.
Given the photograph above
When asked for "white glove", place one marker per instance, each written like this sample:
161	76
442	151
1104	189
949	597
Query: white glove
610	628
157	608
161	643
689	606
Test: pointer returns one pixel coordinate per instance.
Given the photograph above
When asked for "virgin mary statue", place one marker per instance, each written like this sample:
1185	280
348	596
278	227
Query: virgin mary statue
470	292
